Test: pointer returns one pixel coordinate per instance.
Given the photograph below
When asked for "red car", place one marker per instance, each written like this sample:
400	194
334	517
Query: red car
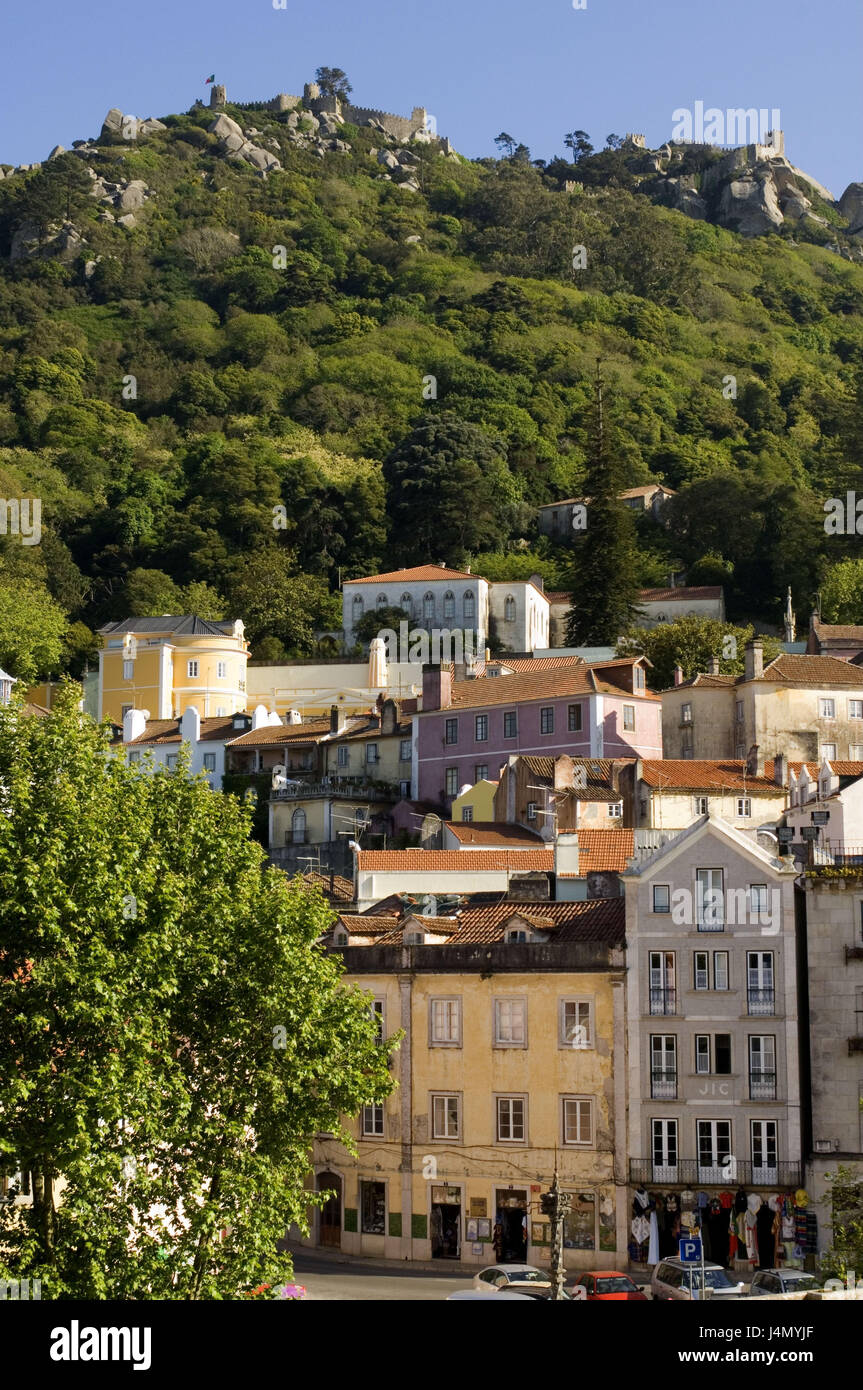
607	1286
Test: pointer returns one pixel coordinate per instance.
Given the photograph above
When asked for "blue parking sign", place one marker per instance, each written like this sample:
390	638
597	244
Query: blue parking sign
690	1249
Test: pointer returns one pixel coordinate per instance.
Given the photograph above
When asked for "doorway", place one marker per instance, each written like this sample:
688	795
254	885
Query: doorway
330	1223
445	1223
512	1219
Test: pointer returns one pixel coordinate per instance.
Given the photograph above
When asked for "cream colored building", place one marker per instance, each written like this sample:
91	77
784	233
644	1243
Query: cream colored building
162	665
670	794
805	707
312	688
503	1075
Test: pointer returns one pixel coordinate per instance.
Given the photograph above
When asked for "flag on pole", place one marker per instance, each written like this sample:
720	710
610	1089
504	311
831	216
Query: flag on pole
211	78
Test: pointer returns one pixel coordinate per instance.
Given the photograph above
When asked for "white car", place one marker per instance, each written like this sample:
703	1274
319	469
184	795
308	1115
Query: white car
673	1280
488	1295
501	1276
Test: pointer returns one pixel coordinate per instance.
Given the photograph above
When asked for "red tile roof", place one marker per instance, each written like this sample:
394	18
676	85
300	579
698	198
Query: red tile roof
595	919
495	834
837	631
812	670
367	926
604	851
542	684
843	767
706	774
666	595
432	861
534	663
342	890
213	730
312	732
419	574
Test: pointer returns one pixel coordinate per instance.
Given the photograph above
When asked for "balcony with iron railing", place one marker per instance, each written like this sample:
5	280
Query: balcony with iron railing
762	1085
690	1171
338	788
761	999
663	999
663	1083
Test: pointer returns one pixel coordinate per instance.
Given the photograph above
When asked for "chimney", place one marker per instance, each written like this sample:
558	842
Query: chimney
566	853
334	719
190	725
467	569
713	666
678	674
753	660
437	688
780	769
293	716
538	580
512	764
388	717
563	772
134	724
754	762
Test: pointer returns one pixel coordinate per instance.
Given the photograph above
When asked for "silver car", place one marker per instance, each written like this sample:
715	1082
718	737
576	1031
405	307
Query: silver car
782	1281
502	1275
672	1280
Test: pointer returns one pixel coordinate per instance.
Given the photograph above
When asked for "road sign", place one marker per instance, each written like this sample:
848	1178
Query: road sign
690	1249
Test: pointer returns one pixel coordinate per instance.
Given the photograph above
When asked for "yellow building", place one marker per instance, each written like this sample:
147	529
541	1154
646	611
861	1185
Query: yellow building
511	1065
477	803
164	664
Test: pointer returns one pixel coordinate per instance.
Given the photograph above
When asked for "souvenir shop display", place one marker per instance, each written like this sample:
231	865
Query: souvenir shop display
765	1232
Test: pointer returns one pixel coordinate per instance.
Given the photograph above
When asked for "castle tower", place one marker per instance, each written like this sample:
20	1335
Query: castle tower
311	92
218	95
776	138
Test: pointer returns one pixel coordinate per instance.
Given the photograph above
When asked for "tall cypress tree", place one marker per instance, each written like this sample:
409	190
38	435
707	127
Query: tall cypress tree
602	566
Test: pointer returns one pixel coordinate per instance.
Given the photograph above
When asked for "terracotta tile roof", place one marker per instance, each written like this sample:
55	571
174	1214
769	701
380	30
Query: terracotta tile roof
420	574
311	732
837	631
843	767
604	851
432	861
366	926
666	595
812	670
600	851
704	680
596	919
158	731
534	684
647	490
558	596
494	834
342	888
534	663
706	774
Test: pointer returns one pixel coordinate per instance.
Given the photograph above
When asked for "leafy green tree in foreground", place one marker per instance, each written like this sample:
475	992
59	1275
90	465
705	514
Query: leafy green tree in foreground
171	1037
845	1255
32	627
691	642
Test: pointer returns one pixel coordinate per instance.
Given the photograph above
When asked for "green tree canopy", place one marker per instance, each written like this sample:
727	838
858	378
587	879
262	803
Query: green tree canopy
691	642
32	627
171	1036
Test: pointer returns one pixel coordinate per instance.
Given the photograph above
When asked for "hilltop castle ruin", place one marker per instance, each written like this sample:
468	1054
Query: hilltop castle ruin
418	125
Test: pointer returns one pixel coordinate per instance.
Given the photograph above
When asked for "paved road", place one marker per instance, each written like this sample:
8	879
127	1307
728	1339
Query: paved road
331	1280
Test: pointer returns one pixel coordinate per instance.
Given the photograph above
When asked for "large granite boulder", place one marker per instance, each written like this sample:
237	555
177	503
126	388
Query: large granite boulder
851	206
224	126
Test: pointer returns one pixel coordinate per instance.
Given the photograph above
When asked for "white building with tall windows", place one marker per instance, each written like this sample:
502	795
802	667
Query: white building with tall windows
515	612
714	1070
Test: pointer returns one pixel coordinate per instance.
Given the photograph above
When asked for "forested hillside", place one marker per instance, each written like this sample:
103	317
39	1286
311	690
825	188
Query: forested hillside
408	373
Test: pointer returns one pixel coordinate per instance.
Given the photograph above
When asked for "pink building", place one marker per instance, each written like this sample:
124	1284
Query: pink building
467	730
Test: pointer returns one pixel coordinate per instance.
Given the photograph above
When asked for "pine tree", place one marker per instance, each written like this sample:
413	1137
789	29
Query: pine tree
601	570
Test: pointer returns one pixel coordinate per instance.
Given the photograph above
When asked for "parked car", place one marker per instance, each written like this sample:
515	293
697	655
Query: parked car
673	1280
782	1281
488	1295
501	1276
607	1286
538	1292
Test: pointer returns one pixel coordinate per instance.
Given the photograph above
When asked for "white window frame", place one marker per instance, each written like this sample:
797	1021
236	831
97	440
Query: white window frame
192	668
659	887
480	728
372	1124
440	1103
128	670
171	760
507	1010
505	1105
686	713
531	810
701	806
826	707
855	709
451	781
209	762
744	807
629	719
703	1054
221	670
700	972
725	973
583	1108
828	751
575	1022
449	1016
343	755
404	750
480	772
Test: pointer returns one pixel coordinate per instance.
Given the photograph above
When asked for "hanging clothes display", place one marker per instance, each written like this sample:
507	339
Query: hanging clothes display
750	1224
640	1226
764	1222
716	1232
653	1244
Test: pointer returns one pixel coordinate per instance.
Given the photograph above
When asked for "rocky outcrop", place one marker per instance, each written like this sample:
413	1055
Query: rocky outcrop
117	125
62	242
236	145
851	206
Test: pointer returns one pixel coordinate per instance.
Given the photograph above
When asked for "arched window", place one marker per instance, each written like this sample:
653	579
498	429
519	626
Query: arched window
428	606
298	827
509	609
358	607
382	600
469	605
449	604
407	603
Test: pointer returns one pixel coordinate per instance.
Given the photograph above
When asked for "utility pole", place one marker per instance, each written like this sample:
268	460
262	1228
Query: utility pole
555	1205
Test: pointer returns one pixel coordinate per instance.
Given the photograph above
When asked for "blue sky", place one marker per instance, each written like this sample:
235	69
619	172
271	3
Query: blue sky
536	68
